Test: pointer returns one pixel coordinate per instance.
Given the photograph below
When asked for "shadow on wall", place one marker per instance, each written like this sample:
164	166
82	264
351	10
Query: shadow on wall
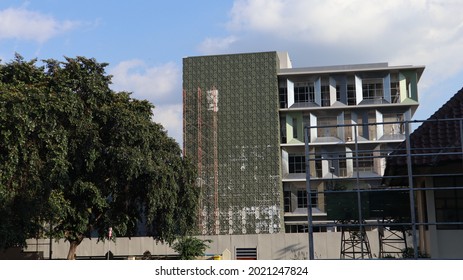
17	253
295	252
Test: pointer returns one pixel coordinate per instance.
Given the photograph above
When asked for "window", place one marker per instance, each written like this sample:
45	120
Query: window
304	92
283	129
283	94
351	95
395	92
295	124
325	92
372	89
318	166
342	170
449	202
348	129
302	198
303	228
287	201
365	163
296	164
305	123
338	165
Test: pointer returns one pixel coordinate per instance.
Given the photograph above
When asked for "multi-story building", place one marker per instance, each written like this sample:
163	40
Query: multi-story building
244	127
355	115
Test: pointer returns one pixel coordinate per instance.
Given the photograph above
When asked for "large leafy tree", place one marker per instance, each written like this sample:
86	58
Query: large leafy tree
80	158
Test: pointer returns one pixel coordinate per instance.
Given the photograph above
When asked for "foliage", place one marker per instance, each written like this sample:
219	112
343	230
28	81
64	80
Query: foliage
147	255
82	157
189	248
409	253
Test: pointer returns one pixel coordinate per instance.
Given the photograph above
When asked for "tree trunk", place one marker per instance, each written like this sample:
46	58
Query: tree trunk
72	249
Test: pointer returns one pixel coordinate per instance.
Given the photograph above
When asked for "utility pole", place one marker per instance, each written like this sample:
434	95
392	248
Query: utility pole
110	233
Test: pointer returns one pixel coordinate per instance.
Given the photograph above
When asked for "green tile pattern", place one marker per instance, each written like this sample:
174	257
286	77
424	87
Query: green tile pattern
248	153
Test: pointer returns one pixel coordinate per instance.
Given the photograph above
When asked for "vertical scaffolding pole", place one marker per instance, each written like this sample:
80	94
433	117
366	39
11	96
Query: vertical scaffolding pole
200	165
308	192
461	138
359	198
410	183
184	122
216	166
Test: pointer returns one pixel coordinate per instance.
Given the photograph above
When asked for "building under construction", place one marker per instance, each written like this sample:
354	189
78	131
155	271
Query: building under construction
304	150
244	119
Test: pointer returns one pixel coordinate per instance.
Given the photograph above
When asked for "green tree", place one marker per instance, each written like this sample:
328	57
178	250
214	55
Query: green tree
84	158
189	248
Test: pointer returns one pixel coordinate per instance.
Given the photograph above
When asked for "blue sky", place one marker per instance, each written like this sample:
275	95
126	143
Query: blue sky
144	41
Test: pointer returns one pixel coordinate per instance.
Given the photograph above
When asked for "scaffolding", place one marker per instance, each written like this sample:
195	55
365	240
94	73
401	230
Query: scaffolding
392	239
354	242
206	154
424	166
212	102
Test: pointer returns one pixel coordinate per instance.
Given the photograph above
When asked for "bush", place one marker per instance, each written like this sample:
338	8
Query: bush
408	253
189	248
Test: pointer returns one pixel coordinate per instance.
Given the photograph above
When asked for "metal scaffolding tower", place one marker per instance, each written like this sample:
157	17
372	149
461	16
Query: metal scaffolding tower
354	242
206	154
392	239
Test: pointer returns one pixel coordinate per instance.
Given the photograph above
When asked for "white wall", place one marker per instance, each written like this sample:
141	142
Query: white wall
269	246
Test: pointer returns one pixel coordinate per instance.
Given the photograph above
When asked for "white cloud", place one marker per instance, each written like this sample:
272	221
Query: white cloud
170	116
325	20
161	85
155	84
216	45
20	23
419	32
411	31
259	15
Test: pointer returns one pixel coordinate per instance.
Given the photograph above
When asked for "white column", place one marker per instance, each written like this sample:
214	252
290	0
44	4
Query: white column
379	127
332	91
318	91
387	88
290	93
313	130
358	89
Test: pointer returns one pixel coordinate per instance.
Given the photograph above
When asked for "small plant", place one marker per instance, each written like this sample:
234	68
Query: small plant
147	255
408	253
388	256
189	248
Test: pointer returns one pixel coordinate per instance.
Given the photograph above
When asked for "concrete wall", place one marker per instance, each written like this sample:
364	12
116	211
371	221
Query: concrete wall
449	245
269	246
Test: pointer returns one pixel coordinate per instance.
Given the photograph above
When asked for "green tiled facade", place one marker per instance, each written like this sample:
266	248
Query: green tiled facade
239	166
